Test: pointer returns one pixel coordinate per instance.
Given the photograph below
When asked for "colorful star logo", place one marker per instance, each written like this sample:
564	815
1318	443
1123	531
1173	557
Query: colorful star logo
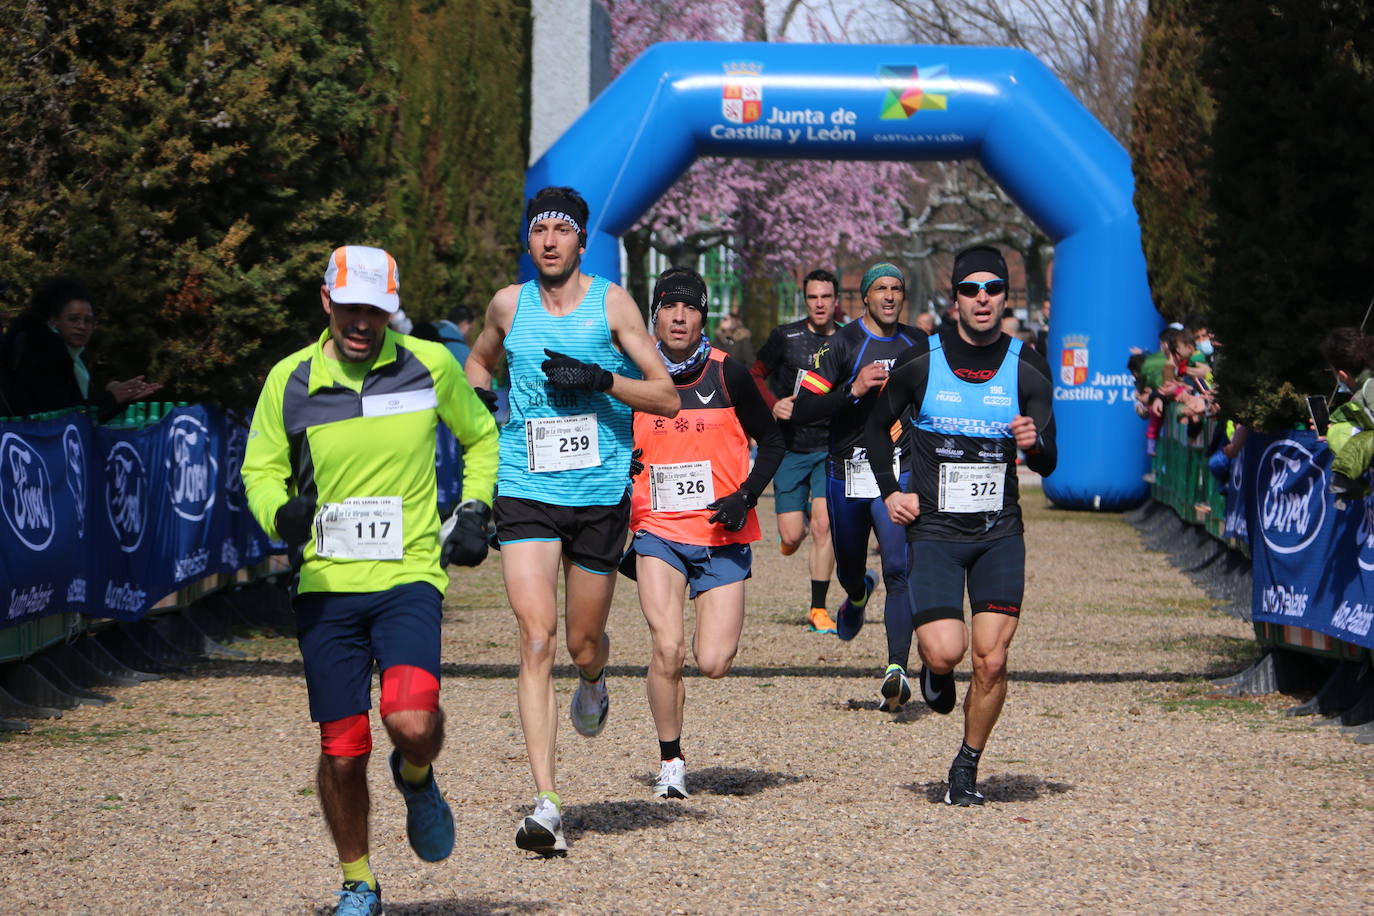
906	93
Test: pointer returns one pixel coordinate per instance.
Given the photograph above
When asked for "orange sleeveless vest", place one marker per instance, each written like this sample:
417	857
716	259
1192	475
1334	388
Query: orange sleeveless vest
705	428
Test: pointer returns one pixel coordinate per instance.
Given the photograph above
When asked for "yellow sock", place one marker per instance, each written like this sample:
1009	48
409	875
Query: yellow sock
359	871
553	797
416	776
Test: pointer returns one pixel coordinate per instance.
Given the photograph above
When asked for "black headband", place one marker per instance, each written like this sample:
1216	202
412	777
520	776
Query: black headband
557	206
688	289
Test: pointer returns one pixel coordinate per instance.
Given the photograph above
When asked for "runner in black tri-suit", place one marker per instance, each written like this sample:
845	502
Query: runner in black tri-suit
970	401
851	369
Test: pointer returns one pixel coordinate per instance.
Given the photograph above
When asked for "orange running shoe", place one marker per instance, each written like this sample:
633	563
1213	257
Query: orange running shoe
818	621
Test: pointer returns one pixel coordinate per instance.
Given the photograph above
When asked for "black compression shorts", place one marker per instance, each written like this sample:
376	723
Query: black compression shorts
938	571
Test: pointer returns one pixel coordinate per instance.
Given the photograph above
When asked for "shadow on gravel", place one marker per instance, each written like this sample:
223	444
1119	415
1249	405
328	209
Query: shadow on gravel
1004	787
293	668
911	712
460	906
625	816
733	781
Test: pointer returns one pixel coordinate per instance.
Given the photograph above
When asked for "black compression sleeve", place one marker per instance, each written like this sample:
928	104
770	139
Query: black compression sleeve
758	423
1037	402
906	386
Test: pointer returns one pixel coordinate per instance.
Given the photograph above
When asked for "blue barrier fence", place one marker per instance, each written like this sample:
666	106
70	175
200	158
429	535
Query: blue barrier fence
1313	557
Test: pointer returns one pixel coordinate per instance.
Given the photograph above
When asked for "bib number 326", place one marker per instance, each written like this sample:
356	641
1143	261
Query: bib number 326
682	487
562	443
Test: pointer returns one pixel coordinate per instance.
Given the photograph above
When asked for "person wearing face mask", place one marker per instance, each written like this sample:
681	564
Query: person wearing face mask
45	357
692	508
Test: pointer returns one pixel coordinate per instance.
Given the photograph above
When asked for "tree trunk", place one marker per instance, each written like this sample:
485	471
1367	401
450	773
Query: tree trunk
637	268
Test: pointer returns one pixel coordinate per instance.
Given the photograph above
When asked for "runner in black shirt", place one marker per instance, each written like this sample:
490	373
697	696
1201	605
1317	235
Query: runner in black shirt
850	372
970	401
799	486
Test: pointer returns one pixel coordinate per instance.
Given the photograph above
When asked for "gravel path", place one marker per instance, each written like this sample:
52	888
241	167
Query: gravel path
1116	782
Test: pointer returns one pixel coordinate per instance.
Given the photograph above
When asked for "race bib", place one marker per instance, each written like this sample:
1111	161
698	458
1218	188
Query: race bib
972	487
859	482
360	528
562	443
683	487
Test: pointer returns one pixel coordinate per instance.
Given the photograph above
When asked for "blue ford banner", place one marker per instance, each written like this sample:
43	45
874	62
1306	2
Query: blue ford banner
107	522
1313	557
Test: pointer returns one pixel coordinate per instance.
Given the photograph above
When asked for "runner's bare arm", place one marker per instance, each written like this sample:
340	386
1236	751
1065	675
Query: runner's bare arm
489	346
655	393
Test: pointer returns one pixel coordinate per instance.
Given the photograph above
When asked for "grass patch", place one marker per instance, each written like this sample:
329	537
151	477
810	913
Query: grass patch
62	736
1231	650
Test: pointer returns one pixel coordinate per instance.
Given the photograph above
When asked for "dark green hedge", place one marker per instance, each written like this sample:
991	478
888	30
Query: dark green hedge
1285	169
195	162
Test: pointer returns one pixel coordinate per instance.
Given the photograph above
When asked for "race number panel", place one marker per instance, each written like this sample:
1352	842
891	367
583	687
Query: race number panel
360	528
562	443
683	487
972	487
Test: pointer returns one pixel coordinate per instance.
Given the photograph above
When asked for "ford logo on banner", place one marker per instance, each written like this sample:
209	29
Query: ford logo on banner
26	491
1293	506
235	445
191	468
75	456
126	495
1364	535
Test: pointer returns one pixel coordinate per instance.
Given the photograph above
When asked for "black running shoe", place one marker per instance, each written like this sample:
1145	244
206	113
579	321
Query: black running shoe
937	690
896	690
963	787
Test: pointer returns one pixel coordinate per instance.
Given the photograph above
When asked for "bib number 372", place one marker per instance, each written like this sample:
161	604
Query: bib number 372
972	487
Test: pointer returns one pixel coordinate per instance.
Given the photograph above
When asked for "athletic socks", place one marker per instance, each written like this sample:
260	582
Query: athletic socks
967	757
669	750
413	776
590	678
819	589
359	871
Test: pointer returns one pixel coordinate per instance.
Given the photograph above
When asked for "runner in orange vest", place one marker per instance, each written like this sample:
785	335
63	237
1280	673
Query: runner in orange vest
692	508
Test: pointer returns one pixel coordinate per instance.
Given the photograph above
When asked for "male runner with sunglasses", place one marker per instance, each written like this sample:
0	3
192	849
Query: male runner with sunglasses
972	399
851	370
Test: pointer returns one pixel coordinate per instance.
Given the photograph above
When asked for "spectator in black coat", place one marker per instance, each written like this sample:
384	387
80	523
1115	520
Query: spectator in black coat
44	365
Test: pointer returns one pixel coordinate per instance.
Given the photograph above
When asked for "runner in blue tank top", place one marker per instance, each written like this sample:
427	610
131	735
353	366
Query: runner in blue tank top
580	360
973	398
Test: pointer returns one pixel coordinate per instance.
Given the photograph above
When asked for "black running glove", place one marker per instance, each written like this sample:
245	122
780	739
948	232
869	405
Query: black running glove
488	397
732	511
566	372
636	466
465	534
295	520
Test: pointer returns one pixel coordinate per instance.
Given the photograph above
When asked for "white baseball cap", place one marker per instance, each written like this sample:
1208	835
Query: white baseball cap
361	275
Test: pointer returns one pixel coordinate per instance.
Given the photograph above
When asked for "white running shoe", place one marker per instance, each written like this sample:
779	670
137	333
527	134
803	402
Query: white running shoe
590	704
542	831
672	779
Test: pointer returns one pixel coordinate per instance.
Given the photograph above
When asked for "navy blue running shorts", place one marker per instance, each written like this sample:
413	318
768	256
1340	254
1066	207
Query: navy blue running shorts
938	572
705	567
341	633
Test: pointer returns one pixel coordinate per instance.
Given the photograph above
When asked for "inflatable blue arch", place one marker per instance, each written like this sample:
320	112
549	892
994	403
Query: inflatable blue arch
1003	107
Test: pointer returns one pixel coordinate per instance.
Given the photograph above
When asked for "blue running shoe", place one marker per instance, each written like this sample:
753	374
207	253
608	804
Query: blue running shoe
358	899
849	620
429	821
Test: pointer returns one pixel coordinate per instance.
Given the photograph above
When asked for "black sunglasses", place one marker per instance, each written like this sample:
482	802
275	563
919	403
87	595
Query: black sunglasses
970	288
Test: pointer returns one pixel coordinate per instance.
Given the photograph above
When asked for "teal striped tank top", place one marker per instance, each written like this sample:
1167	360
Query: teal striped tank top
584	334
